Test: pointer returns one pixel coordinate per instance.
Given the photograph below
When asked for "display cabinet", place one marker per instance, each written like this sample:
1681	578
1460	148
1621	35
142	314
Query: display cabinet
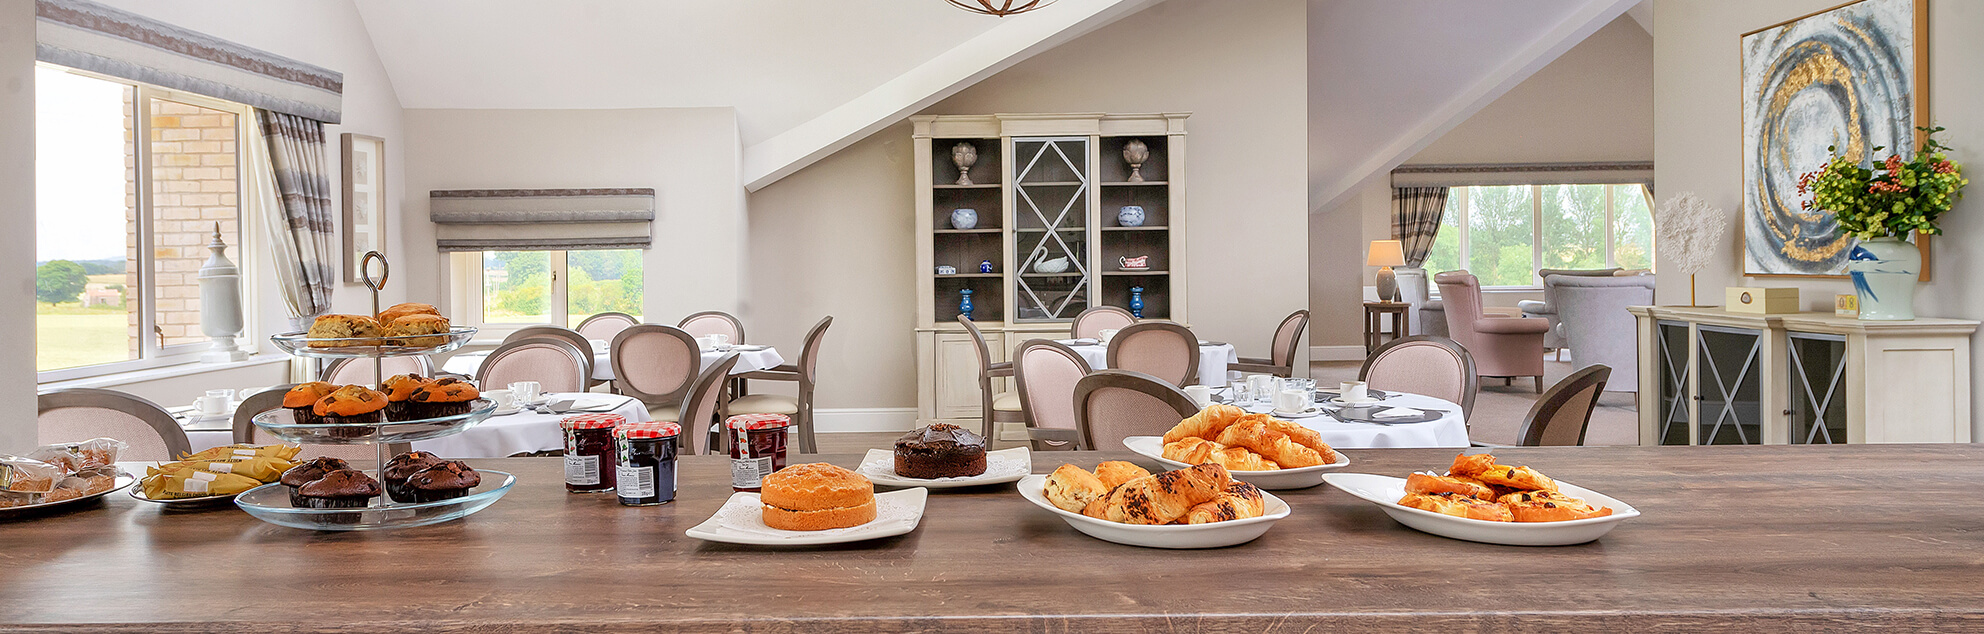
1026	220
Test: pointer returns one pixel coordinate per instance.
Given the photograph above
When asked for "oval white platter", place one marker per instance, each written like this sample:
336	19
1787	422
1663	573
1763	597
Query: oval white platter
1280	480
1385	492
1214	535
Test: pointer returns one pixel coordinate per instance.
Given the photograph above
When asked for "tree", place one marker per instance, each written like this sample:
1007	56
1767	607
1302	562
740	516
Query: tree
59	281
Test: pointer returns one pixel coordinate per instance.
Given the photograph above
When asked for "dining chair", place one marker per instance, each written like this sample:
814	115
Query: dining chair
604	326
245	430
1562	415
1047	372
993	408
1090	323
714	322
1111	405
1281	356
1503	347
78	414
799	407
657	364
1424	365
554	363
359	371
1161	349
701	406
548	331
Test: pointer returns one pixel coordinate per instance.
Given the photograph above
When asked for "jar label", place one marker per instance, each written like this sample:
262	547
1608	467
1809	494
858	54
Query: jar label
581	470
635	483
749	473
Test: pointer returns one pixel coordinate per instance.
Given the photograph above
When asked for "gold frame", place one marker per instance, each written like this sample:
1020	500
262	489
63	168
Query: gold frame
1921	111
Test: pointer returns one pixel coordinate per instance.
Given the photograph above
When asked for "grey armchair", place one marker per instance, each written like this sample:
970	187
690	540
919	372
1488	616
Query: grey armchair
1594	324
1429	317
1547	308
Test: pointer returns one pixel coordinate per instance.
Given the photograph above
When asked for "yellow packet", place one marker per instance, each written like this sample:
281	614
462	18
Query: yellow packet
194	484
263	468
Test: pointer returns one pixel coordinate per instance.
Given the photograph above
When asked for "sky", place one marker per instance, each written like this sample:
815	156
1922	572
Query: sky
79	167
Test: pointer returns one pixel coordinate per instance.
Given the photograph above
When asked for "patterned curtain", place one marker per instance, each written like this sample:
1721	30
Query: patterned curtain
300	225
1416	215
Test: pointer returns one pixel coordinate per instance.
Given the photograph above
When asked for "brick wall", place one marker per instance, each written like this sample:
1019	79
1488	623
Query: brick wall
194	186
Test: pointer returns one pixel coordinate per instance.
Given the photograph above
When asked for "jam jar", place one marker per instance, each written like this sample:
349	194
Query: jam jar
757	448
646	475
589	451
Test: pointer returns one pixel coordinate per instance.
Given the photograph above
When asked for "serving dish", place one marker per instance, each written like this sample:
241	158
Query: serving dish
281	424
1282	480
1385	492
1004	465
210	501
298	343
741	521
270	503
1214	535
122	480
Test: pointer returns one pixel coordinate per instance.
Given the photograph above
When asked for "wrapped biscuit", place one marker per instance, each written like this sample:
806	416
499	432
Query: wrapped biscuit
95	453
245	451
195	484
262	468
27	475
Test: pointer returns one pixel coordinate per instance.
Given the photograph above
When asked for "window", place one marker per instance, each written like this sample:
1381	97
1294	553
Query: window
554	287
131	181
1503	234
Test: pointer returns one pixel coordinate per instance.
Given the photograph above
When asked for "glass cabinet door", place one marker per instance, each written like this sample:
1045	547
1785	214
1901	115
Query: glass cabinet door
1729	386
1673	349
1818	405
1050	227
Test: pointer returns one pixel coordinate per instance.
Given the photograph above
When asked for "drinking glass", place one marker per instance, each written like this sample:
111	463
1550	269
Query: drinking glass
1237	393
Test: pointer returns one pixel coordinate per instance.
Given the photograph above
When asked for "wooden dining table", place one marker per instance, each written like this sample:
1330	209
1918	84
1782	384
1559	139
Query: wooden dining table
1733	539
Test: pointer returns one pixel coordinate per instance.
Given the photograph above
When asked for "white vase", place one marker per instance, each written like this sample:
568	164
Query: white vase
1130	216
1884	273
964	218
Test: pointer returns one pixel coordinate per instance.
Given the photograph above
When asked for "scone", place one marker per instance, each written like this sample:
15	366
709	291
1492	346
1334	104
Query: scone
421	324
396	311
1550	506
1071	488
341	327
1428	483
1117	472
815	497
1458	505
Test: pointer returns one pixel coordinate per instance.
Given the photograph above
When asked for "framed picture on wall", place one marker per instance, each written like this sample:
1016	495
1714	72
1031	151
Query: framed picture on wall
364	200
1852	77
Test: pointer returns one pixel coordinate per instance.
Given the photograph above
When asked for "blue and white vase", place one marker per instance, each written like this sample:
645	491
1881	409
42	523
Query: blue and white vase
1884	273
964	303
964	218
985	266
1130	216
1137	301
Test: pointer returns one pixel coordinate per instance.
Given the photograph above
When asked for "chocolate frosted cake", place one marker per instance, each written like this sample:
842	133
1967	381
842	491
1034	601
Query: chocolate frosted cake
940	451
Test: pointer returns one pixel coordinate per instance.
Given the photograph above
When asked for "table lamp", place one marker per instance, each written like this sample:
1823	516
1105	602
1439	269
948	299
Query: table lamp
1386	254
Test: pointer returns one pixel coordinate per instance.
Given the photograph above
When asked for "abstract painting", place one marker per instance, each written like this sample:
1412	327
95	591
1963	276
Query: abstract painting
1849	77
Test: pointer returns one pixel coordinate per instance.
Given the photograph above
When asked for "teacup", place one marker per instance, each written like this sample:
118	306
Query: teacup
212	404
1200	394
1291	401
504	399
527	391
720	341
1107	334
706	342
1354	392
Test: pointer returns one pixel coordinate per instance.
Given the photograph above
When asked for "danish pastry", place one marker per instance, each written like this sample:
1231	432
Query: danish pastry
1240	501
1523	478
1428	483
1467	466
1549	506
1161	498
1458	505
1071	488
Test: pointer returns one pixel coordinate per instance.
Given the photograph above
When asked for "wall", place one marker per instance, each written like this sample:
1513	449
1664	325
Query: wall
688	155
17	432
1238	67
1594	103
1697	133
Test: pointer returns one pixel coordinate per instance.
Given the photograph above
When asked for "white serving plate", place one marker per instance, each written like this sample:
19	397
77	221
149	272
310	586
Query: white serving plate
1385	491
120	481
741	521
1284	479
1214	535
1004	465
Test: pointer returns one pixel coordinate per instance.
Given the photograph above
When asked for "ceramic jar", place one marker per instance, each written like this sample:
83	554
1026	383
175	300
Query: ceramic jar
1130	216
1884	272
964	218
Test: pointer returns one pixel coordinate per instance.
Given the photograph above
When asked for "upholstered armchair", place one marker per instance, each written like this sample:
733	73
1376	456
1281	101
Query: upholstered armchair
1547	309
1504	347
1594	324
1428	317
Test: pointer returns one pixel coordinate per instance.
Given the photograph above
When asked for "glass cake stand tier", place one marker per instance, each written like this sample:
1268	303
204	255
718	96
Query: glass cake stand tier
270	503
302	345
281	423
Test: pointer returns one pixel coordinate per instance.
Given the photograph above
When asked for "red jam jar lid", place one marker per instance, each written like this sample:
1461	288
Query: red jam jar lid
648	430
757	421
592	421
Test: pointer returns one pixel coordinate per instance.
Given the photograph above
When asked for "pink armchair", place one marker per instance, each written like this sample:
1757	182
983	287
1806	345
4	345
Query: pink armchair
1504	347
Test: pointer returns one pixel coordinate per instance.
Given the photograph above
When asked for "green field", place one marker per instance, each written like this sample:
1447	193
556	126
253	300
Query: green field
69	337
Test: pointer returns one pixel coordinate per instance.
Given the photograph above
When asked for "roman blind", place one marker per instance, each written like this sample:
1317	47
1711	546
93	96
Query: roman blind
541	219
1522	174
88	36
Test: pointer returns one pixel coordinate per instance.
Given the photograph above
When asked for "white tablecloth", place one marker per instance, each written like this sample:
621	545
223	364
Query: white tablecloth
1212	360
522	432
602	361
1449	431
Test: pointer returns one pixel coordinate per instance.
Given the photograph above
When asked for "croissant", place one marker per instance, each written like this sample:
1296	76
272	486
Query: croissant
1168	496
1273	445
1240	459
1116	472
1071	488
1304	436
1240	501
1206	424
1191	450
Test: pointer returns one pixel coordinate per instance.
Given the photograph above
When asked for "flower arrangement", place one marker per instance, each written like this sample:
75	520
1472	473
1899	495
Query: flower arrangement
1893	200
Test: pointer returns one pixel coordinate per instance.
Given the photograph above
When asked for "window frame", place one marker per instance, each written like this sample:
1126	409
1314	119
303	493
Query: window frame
1459	200
245	245
466	291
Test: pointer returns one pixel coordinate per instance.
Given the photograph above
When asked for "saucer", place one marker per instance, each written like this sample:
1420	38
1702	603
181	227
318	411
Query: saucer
1313	411
1134	269
506	411
1368	401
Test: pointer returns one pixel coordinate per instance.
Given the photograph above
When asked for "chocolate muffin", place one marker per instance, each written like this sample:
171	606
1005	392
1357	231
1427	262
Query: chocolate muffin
442	397
449	479
940	451
403	466
308	472
302	400
353	405
340	489
397	388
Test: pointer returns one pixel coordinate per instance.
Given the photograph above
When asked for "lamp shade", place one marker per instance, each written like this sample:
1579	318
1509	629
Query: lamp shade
1386	253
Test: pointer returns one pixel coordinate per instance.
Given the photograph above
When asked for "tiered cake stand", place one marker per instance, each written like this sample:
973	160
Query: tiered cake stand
270	502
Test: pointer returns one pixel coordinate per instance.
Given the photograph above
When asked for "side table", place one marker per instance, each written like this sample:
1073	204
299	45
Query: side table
1374	329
